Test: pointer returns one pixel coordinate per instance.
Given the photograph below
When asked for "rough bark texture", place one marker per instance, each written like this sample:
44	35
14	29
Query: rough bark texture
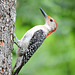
7	19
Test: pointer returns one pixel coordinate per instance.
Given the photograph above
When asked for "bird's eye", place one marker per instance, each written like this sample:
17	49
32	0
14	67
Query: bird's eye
51	20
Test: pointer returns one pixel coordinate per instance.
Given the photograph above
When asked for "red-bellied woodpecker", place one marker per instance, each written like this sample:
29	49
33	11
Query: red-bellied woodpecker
32	40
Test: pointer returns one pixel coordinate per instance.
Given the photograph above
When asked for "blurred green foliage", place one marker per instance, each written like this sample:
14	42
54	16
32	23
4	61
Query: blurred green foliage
56	56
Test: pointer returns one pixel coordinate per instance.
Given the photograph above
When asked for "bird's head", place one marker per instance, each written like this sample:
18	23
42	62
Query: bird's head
50	22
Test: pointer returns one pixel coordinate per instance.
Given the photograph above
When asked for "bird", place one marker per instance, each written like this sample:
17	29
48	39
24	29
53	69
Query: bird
33	39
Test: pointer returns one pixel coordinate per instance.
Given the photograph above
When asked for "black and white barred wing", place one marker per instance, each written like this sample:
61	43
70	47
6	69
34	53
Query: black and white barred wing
35	43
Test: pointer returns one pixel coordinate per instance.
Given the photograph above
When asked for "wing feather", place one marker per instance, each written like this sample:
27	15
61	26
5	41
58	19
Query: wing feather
35	43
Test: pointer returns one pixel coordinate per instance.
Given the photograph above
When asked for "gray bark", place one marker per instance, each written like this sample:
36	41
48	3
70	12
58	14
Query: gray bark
7	20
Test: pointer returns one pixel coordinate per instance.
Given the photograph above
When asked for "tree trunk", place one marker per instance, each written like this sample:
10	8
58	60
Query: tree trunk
7	20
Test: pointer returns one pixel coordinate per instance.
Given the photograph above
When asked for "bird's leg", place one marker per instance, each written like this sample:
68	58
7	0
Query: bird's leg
17	43
15	37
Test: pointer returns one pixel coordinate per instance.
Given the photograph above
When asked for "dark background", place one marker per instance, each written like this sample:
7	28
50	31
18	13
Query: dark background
56	56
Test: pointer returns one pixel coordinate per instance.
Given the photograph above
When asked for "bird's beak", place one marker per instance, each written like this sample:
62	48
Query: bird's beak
45	15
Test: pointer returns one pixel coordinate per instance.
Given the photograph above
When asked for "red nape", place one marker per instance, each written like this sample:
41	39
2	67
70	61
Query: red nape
50	32
55	22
